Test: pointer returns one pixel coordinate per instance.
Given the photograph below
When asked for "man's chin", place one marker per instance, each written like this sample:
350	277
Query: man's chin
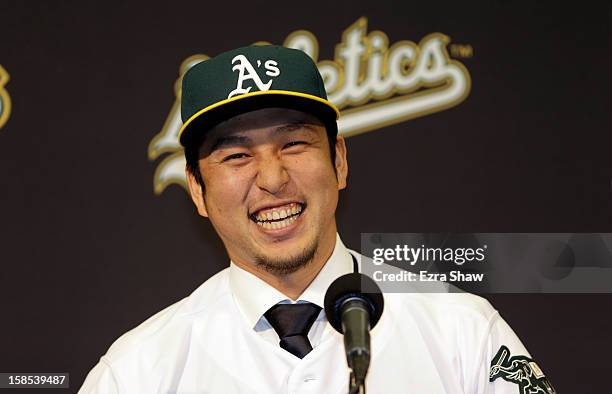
284	263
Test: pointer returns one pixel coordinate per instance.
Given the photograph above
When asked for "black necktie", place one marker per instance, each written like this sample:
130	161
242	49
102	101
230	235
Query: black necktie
292	323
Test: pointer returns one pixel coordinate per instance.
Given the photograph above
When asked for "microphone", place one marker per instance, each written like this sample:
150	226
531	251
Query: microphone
353	306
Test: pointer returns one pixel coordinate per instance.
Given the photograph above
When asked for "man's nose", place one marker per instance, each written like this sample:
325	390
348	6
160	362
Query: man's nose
272	175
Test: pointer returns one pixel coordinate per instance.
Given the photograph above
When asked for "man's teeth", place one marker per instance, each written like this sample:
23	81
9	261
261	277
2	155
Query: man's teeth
278	224
279	217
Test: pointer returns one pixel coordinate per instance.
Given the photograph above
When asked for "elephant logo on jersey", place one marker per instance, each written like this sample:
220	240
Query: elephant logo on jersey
520	370
246	71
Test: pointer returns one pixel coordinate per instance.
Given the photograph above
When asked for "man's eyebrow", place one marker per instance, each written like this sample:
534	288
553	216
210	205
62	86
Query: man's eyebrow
230	140
294	126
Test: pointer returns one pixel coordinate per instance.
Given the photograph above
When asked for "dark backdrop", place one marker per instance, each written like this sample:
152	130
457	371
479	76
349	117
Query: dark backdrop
88	251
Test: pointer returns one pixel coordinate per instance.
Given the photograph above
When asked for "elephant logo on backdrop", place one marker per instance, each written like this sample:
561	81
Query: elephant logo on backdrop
373	84
520	370
5	99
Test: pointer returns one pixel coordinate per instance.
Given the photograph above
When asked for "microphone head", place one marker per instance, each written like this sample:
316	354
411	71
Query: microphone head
354	285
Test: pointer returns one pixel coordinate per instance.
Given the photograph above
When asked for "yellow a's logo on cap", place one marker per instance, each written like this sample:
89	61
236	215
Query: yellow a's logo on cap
5	100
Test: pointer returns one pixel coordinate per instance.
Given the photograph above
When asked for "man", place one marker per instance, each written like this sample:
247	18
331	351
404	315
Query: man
265	166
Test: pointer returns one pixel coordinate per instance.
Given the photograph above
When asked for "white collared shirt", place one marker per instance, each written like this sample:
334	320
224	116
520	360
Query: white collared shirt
254	297
217	341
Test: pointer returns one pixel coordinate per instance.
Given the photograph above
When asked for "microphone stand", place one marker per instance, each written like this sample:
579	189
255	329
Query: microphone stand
354	314
354	386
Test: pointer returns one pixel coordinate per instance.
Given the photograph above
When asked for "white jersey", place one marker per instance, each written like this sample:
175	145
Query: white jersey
214	341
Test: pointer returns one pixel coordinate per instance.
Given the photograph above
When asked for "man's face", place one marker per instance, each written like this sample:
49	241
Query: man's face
270	188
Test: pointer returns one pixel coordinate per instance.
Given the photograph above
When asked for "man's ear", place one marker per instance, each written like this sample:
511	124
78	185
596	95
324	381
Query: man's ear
197	196
341	162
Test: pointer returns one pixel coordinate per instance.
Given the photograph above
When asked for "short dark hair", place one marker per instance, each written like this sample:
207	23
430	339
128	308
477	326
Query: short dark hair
192	152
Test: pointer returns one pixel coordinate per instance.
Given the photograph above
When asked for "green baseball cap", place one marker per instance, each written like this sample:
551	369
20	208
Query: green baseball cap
251	78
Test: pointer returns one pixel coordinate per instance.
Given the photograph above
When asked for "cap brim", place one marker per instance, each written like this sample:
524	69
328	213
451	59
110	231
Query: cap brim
207	118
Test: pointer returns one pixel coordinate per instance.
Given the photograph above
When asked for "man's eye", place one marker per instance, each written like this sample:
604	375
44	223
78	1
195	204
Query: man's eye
234	156
294	143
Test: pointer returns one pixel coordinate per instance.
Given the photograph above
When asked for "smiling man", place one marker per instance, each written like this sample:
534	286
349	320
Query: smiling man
270	189
265	165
